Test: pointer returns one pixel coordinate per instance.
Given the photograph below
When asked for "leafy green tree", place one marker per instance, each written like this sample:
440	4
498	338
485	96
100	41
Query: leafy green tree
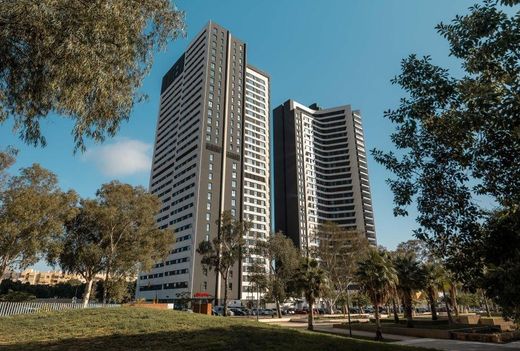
131	240
79	250
377	277
81	59
283	258
311	280
32	211
224	251
338	252
458	136
411	277
501	253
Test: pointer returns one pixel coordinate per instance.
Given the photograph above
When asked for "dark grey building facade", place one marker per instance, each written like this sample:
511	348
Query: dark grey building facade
320	172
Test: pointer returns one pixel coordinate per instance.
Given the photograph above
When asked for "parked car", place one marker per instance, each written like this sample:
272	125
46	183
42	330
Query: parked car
267	312
238	312
219	311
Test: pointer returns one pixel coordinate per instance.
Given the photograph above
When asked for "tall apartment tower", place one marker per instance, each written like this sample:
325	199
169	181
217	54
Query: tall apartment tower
211	155
320	172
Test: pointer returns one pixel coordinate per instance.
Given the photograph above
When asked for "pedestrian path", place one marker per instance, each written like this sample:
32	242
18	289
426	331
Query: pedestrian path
437	344
456	345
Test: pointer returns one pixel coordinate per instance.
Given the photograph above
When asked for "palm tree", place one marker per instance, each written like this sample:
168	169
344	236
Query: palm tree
312	281
377	277
411	278
434	274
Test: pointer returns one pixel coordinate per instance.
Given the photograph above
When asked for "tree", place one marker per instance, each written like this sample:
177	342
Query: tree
501	252
311	280
411	277
434	274
224	251
130	238
79	251
80	59
32	211
338	251
458	137
283	258
414	247
377	277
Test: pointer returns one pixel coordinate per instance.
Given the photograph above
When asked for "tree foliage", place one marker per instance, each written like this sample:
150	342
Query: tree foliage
131	240
338	252
283	258
81	59
501	253
411	278
459	137
377	278
32	212
224	251
114	234
311	280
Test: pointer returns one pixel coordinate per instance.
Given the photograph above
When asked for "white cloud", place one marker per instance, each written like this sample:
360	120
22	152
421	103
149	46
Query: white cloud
122	158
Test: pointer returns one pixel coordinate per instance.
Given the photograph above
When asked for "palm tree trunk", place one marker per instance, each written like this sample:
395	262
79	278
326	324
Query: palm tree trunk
394	306
408	308
310	317
433	303
453	298
450	318
379	329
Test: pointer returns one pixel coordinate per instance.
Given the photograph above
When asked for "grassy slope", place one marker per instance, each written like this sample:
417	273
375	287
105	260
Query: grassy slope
143	329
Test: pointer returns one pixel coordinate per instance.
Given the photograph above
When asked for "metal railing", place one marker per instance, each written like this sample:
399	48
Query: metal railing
14	308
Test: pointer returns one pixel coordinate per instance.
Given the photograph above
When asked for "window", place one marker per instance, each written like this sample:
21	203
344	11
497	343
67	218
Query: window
234	175
233	183
208	206
233	202
210	185
207	227
211	166
210	176
209	196
233	193
211	157
234	165
208	216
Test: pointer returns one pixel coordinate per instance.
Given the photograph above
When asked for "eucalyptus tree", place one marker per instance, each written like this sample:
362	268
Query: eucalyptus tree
84	60
338	252
33	210
221	254
279	259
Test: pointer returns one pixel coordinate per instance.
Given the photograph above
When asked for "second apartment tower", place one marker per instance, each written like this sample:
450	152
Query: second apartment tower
320	172
210	155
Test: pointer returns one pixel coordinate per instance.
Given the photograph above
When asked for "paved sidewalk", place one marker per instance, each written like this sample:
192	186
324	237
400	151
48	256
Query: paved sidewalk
438	344
455	345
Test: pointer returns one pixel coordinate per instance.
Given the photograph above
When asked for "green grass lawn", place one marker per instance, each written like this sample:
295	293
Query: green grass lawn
144	329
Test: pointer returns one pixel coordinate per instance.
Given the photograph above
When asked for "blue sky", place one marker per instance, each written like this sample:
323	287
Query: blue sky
329	52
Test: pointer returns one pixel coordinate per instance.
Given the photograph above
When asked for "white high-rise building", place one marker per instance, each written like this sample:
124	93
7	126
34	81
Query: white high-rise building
211	155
